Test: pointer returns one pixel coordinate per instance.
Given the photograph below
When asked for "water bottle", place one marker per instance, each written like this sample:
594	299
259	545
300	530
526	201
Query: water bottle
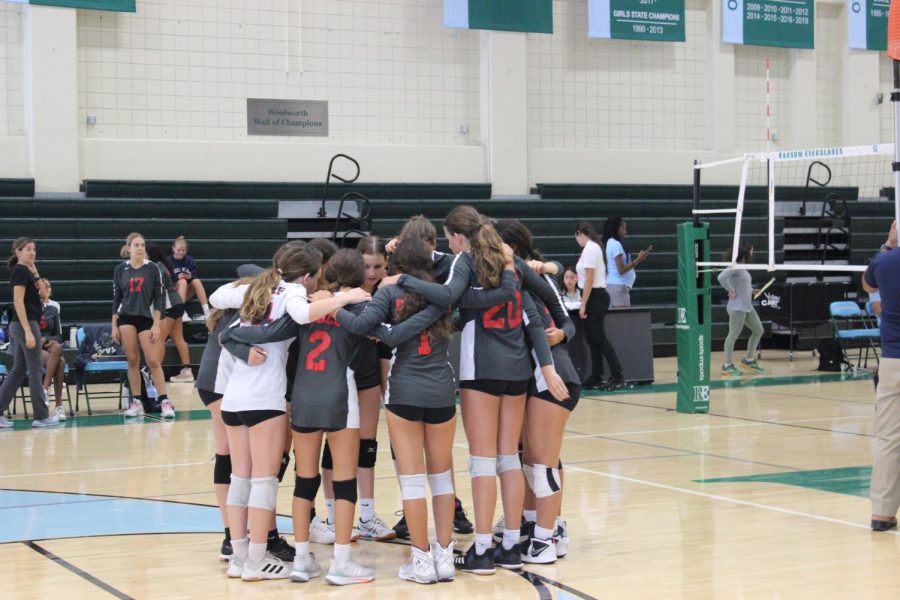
152	394
73	336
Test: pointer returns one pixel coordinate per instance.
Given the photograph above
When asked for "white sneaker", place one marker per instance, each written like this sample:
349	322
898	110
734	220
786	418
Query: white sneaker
539	552
6	423
498	529
168	410
348	572
420	567
48	422
443	561
60	413
236	565
186	317
320	532
136	409
376	529
561	538
305	569
185	376
268	568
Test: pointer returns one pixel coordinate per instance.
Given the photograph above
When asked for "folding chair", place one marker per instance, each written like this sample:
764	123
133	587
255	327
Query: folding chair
853	330
98	368
68	397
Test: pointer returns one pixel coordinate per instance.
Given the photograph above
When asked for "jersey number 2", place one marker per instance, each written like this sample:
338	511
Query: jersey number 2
313	362
512	319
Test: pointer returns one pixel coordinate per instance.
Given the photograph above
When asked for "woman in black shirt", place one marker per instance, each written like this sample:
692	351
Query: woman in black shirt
25	333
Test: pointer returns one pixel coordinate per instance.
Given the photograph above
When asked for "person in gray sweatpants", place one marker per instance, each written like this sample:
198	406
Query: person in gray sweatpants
25	334
736	282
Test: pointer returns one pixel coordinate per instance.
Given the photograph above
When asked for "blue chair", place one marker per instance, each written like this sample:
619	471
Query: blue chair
100	369
853	329
25	401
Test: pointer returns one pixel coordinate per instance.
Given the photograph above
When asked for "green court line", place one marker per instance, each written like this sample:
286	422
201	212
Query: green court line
107	419
852	481
752	381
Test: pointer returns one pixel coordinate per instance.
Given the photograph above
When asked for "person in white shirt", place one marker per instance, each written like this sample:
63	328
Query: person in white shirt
591	270
620	275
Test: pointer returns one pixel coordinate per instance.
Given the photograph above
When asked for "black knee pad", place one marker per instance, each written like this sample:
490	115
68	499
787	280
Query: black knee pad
285	460
345	490
326	457
307	487
368	452
222	470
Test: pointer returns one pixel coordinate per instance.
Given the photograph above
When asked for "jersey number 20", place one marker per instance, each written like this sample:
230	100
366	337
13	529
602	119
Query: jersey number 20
493	318
323	341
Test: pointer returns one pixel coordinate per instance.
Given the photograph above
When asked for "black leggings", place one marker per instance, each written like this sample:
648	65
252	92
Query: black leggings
595	334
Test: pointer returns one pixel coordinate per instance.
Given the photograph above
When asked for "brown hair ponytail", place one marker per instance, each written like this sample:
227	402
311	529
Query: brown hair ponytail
17	245
292	264
485	244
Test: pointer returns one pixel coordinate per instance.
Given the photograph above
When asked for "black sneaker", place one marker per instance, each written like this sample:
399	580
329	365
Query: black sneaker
480	564
614	383
526	531
225	551
508	559
280	549
461	522
400	528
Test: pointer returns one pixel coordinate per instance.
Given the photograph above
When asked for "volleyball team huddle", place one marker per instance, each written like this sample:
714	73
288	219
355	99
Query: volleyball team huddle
333	334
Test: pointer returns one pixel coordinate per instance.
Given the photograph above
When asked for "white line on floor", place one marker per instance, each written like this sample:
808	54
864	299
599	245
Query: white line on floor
205	462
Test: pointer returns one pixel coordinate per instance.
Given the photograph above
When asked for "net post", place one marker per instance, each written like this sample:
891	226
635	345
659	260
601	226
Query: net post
693	318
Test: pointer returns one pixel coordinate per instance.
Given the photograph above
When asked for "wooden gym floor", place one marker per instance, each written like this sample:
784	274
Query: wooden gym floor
764	497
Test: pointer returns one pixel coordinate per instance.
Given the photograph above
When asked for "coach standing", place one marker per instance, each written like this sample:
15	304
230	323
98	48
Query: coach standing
883	275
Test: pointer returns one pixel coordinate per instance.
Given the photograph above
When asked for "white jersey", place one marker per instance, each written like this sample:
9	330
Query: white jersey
261	387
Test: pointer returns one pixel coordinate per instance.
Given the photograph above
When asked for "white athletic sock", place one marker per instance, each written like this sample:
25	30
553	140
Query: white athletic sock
239	547
342	552
510	538
301	548
530	515
329	504
483	542
206	309
366	508
257	552
542	533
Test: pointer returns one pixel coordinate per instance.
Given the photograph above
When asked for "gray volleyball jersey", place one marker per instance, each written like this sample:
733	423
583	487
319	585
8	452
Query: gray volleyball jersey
561	359
456	286
138	292
209	362
420	373
172	297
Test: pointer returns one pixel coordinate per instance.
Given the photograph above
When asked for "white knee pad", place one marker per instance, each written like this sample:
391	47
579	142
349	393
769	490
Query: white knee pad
441	483
263	492
480	466
508	462
546	481
238	491
528	471
412	487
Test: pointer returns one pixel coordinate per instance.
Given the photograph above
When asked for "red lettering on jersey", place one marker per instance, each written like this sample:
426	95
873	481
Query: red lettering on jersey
424	344
313	362
329	320
492	319
136	284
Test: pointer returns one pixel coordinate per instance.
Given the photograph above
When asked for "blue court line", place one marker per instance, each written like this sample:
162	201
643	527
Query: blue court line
51	515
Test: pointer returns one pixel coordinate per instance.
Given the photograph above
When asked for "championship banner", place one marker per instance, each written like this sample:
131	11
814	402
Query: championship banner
868	23
781	23
647	20
534	16
893	37
113	5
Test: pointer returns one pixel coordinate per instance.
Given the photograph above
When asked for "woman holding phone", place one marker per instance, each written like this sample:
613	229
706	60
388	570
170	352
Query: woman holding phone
620	273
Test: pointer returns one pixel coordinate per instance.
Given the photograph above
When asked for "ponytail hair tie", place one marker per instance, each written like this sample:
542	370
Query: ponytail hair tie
280	272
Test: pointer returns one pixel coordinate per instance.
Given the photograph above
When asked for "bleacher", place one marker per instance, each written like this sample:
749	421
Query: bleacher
79	236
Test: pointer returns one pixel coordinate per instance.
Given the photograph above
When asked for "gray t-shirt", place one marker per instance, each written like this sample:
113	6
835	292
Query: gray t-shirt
738	281
209	362
138	292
